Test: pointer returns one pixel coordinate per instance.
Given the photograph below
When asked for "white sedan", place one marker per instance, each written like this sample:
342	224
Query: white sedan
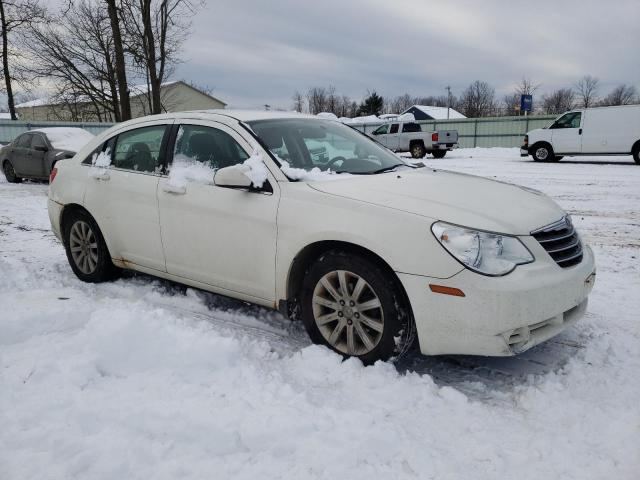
368	251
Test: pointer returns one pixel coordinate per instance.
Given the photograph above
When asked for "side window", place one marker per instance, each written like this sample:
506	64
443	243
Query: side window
106	147
140	149
38	141
570	120
411	128
24	141
381	130
210	146
394	128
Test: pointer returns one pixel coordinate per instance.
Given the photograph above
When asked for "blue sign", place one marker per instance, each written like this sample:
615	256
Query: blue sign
526	103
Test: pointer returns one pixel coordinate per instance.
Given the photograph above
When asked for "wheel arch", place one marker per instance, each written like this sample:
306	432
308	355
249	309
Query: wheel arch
66	212
636	146
309	254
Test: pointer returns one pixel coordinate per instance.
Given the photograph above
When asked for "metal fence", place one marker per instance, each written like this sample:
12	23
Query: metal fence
10	129
472	132
480	132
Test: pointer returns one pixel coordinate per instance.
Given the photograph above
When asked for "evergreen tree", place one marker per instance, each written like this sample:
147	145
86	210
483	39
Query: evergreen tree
372	105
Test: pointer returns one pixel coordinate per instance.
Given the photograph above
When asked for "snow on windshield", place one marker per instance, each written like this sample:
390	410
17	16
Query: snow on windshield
67	138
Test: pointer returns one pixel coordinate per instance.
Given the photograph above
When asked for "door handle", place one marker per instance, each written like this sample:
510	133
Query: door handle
98	175
173	189
580	132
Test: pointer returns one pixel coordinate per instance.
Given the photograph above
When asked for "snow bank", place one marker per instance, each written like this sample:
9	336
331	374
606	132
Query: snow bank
327	115
67	138
141	379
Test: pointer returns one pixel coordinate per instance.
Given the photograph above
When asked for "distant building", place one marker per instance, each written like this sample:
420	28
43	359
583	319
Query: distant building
175	97
427	112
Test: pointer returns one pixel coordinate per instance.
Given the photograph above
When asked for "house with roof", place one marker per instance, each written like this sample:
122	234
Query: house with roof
177	96
428	112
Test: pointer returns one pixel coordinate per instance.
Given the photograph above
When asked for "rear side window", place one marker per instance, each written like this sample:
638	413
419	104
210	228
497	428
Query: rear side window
394	128
24	140
210	146
411	128
140	150
38	141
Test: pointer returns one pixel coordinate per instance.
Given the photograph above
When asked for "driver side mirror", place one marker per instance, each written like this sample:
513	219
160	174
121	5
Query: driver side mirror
40	148
231	177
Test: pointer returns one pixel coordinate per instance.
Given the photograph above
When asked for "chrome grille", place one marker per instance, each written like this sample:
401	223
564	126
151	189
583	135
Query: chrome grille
561	241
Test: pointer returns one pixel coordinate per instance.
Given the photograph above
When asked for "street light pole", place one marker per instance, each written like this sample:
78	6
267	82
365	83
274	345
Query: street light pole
448	88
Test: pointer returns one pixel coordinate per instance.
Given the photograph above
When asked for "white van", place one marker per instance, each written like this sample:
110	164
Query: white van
590	131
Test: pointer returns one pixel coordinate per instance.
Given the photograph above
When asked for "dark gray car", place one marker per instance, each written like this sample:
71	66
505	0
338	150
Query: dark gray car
33	154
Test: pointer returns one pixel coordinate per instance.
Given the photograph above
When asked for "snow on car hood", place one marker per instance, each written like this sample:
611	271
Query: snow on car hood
458	198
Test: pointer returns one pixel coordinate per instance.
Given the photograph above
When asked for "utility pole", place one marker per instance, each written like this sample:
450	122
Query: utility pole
448	89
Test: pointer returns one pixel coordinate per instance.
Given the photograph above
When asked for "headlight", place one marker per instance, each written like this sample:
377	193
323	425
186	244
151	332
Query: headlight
483	252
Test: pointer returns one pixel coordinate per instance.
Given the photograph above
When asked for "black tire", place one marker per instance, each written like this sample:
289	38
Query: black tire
557	158
417	150
96	269
10	173
439	153
636	153
395	330
542	152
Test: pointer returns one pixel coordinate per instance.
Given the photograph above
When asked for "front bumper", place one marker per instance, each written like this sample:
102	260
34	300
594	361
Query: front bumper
524	151
500	316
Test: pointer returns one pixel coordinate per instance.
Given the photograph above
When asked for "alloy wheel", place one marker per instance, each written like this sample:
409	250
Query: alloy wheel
542	153
348	312
84	247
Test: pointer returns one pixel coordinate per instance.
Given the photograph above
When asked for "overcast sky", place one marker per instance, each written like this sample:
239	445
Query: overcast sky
253	52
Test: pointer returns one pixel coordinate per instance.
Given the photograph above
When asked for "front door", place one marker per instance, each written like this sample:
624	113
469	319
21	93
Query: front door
566	136
37	154
393	138
219	236
123	200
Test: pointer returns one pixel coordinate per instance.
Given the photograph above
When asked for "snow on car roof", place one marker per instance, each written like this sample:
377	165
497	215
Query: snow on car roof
67	138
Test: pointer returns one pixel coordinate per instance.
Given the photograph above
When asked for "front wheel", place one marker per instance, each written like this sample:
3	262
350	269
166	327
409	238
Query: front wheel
10	173
417	150
636	154
350	305
86	249
439	153
543	153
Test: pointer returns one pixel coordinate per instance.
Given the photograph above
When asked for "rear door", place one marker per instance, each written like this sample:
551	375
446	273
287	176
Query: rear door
20	155
124	200
219	236
566	136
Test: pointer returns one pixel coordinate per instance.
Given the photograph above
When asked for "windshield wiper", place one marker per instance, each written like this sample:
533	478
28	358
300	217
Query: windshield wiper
387	169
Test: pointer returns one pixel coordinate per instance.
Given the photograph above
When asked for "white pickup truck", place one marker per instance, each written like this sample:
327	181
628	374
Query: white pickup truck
402	136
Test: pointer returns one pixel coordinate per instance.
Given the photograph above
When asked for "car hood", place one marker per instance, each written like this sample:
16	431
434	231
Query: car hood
458	198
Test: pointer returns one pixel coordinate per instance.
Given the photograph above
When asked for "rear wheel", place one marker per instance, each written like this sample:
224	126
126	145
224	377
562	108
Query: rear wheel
86	249
439	153
10	173
352	306
417	150
636	153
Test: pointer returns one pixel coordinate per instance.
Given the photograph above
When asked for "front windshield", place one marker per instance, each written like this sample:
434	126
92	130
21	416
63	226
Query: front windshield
314	143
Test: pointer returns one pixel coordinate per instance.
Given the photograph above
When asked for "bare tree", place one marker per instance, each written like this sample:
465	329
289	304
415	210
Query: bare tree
75	51
587	90
15	17
298	102
119	60
526	87
511	104
622	95
317	100
478	100
558	101
155	31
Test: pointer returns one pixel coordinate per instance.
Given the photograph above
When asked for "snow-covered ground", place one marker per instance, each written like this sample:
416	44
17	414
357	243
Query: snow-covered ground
143	379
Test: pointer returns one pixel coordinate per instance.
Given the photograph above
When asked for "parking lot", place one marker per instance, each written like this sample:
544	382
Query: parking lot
147	379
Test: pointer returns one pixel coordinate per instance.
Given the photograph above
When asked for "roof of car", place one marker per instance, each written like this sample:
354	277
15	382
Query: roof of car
240	115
